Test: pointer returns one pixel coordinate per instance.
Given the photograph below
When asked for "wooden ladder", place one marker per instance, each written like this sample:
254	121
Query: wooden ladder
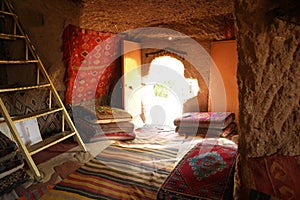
30	57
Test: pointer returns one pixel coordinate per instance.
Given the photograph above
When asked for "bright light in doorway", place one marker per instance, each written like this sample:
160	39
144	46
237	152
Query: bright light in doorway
168	72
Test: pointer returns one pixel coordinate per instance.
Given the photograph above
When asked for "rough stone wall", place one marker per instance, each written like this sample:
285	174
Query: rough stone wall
269	82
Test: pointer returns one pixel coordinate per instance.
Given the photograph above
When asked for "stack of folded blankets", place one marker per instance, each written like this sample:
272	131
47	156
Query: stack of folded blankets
12	172
206	124
103	122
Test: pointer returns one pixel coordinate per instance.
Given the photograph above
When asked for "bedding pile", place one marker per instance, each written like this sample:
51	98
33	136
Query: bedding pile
12	173
206	124
102	123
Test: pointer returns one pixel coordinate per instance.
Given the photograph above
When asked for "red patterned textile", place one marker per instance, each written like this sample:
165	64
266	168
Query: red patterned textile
276	175
90	57
213	132
90	132
204	173
205	119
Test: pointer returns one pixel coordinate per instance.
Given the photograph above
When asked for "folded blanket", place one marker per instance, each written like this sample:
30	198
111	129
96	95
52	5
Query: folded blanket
209	132
117	127
121	136
90	132
101	114
12	180
94	129
218	120
6	145
10	165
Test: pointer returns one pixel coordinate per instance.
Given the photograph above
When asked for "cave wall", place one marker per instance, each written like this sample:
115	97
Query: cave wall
269	86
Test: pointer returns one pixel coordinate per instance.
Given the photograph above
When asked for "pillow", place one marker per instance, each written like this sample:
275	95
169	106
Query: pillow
27	102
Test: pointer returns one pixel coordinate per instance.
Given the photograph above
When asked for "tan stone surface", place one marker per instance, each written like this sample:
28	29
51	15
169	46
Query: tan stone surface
269	81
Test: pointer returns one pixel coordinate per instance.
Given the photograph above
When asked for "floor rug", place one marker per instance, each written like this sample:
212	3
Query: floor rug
125	170
117	173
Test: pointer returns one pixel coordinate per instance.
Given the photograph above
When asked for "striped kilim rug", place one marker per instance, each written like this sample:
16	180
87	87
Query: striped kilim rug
119	172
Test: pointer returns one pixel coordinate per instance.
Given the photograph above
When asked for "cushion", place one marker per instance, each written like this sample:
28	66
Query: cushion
33	100
205	172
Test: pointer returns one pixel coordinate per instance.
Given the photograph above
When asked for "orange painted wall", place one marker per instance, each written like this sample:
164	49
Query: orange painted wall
224	55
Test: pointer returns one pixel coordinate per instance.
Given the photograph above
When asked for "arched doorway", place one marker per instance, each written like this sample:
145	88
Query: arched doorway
165	90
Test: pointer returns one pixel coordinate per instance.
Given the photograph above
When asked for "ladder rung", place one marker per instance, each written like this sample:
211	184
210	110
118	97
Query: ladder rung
34	115
18	61
10	36
6	13
24	88
48	142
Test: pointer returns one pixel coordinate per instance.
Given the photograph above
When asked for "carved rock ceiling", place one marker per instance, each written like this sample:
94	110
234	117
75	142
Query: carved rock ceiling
200	19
